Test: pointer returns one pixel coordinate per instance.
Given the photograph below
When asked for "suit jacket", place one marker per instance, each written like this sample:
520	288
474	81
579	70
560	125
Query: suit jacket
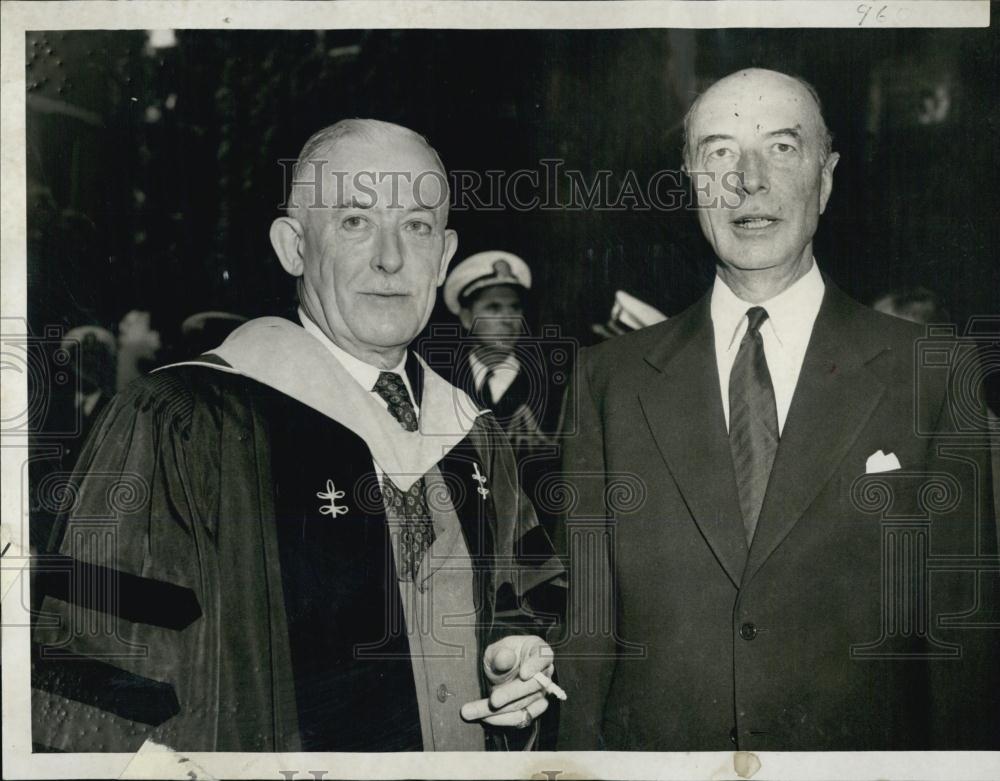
863	615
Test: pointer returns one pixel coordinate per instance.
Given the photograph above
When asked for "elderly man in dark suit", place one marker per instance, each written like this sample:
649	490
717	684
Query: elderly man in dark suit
765	584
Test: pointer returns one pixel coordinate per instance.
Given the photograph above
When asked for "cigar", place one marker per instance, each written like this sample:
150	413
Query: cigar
550	687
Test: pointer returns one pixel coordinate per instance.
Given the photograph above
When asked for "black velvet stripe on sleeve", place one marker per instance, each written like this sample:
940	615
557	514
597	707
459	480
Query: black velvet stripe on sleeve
104	686
131	597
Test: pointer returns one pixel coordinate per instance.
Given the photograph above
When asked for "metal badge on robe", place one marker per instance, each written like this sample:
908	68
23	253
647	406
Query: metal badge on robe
480	478
332	495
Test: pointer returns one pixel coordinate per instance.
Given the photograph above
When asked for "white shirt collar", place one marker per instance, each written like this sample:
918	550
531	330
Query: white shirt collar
791	313
365	374
509	364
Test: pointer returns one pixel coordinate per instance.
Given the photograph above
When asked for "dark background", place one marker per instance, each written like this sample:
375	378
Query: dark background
153	173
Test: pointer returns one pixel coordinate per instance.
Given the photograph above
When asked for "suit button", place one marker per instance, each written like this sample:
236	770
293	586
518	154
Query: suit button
732	735
442	693
748	631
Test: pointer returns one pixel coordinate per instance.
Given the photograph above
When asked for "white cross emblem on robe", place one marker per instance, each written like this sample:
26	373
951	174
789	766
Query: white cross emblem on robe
480	478
333	495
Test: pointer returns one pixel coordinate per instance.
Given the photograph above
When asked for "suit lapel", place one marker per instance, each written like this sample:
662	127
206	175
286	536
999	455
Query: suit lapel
834	397
683	409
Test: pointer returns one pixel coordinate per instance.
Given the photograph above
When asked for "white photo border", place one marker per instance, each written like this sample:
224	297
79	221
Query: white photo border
17	19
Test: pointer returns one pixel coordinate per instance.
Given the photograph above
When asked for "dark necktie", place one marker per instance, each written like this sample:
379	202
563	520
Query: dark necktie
418	527
753	421
485	391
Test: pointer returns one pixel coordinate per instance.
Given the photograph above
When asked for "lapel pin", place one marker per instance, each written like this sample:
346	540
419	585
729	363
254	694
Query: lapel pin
480	478
333	495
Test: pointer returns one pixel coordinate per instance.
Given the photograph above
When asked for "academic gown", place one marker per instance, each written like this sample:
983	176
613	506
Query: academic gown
203	596
528	411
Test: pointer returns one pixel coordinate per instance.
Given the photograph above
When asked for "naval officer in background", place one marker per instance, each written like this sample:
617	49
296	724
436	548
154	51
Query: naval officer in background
502	367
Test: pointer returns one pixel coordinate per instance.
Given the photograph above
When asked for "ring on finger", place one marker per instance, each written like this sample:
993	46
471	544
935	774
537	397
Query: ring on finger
525	720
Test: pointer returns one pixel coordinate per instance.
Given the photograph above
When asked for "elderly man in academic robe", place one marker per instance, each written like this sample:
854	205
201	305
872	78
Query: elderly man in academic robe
305	539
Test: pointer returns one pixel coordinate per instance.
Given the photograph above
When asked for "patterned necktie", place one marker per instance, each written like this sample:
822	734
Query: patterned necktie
418	527
753	421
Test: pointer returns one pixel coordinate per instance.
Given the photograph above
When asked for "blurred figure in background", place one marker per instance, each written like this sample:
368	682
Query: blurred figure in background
206	330
93	355
99	364
138	346
628	313
498	366
916	304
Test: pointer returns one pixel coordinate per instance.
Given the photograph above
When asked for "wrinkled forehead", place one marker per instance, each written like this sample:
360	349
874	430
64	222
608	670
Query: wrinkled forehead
756	102
392	173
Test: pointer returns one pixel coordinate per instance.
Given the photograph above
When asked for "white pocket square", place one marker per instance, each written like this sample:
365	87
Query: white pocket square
881	462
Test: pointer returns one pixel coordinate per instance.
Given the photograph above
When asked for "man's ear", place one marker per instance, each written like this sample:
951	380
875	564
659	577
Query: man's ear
286	238
450	248
826	185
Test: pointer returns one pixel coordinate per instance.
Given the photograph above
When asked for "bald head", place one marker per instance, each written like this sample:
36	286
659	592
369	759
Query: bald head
323	145
757	142
736	85
366	236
